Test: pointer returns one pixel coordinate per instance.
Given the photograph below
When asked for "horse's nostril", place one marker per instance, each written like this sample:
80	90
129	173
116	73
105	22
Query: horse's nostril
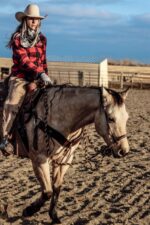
121	153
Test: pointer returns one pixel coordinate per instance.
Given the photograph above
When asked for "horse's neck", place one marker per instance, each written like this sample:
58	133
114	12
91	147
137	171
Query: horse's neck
73	108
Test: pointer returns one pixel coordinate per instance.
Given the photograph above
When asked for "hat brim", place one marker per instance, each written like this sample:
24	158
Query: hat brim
21	15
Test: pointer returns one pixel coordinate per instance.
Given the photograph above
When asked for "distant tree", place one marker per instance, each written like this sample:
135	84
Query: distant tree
125	62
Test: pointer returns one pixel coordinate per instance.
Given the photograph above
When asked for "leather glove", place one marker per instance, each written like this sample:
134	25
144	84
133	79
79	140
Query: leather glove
45	78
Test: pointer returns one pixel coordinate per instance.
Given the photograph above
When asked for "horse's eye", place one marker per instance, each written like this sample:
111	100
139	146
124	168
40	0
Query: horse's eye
111	120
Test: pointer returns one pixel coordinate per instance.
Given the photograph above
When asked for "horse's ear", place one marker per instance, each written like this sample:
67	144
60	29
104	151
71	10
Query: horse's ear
106	97
124	93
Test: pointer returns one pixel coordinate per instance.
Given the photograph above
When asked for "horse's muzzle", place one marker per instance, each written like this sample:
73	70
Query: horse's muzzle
119	146
120	152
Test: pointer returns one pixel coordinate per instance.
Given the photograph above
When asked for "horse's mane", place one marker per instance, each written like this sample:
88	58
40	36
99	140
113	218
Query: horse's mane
70	85
116	96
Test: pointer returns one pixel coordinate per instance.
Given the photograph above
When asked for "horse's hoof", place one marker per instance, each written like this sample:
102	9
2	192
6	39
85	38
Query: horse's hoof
30	210
27	212
55	219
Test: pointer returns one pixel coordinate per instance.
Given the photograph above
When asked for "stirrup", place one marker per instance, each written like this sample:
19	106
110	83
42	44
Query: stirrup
3	143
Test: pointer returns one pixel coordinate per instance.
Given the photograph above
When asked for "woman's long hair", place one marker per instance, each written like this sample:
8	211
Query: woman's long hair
18	30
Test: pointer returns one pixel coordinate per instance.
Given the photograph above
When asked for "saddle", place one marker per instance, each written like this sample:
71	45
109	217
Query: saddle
27	112
19	135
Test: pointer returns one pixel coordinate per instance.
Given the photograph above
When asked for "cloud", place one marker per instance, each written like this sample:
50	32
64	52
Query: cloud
141	20
93	27
78	19
80	11
99	2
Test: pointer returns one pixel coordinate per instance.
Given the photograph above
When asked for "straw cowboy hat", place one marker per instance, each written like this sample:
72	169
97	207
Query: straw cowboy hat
31	10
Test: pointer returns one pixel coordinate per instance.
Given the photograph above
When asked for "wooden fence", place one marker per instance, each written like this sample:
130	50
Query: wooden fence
92	73
133	76
75	73
79	73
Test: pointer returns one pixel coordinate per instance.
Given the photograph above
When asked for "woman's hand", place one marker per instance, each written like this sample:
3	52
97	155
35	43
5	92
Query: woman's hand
46	79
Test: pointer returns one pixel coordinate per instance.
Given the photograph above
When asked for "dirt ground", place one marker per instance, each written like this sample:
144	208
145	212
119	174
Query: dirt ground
106	191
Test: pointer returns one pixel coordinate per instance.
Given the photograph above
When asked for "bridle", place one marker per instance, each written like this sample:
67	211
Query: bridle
114	139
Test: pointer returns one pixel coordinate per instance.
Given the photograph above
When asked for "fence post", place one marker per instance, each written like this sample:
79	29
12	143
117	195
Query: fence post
69	77
80	78
103	73
59	77
121	81
141	84
89	78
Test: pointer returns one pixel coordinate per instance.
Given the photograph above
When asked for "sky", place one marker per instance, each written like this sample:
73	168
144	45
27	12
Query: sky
86	30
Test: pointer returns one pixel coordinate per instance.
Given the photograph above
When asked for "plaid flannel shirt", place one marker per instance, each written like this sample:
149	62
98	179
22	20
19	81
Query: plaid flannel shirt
29	62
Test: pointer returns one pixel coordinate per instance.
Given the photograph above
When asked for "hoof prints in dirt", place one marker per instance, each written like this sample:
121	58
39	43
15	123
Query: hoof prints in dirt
98	190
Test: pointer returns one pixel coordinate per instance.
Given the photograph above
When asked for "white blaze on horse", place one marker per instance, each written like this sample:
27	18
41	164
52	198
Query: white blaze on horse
67	109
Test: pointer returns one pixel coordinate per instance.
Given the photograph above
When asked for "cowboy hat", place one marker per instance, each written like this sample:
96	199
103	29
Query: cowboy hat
31	10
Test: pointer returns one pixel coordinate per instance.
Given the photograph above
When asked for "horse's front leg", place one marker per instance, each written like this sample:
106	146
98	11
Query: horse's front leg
58	175
41	170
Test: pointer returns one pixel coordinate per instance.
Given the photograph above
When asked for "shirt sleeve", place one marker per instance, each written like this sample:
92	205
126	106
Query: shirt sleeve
44	58
21	54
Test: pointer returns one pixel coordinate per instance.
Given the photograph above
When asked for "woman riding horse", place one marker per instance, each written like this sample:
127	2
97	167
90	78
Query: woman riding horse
29	57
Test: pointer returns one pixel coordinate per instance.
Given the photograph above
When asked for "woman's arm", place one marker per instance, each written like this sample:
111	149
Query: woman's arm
44	57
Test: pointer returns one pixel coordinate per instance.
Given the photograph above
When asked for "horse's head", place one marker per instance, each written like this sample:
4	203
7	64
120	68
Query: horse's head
112	121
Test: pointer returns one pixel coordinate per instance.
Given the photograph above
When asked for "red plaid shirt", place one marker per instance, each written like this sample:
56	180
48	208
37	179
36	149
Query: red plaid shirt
29	62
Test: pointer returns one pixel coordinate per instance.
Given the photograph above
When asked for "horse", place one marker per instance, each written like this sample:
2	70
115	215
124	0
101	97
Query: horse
55	128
